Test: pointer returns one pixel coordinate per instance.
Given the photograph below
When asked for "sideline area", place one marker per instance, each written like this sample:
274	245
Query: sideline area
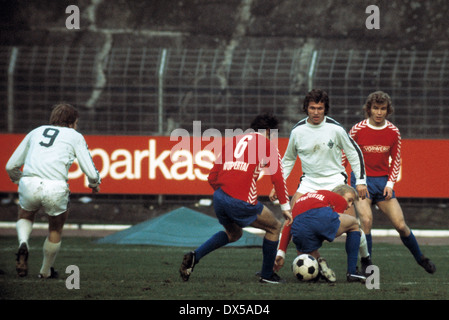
8	228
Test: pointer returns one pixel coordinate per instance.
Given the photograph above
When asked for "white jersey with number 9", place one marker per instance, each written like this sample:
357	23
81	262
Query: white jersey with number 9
48	152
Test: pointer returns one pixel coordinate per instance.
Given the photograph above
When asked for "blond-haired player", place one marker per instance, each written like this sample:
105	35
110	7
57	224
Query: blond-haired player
46	154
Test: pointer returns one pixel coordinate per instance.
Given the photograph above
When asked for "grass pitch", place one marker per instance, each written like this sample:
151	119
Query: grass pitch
141	272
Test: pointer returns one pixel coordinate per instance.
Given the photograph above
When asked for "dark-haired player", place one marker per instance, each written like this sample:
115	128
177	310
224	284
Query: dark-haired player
319	141
234	179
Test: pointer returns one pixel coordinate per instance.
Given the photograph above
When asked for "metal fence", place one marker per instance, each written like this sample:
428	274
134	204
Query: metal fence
152	91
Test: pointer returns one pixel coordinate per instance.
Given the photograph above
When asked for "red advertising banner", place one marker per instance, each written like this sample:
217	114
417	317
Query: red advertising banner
157	165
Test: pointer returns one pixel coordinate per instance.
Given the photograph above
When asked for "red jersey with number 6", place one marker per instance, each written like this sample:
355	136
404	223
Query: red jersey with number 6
240	163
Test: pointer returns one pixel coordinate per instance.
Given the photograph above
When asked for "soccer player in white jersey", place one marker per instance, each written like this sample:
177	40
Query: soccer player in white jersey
319	141
46	154
380	140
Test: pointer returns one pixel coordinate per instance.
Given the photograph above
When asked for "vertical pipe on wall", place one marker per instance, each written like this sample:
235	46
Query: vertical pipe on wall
11	68
161	92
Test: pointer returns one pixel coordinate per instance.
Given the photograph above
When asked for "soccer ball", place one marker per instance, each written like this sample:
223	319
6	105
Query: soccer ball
305	267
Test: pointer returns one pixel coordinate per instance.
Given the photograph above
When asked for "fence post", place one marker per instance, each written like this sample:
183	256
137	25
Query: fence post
11	68
162	64
161	92
312	70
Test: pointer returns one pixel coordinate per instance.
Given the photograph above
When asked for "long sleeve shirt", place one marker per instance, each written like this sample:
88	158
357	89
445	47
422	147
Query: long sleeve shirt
48	152
378	145
320	147
240	163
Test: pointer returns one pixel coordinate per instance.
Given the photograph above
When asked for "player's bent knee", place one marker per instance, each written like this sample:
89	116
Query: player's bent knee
402	229
275	229
234	235
366	222
29	215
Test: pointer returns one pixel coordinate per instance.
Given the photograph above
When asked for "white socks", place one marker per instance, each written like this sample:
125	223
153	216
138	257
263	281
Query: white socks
24	228
363	249
50	251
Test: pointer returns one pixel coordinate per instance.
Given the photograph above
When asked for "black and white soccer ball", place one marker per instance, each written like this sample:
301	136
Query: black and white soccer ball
305	267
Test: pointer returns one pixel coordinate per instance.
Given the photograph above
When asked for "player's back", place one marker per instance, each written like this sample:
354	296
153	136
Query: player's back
239	165
319	199
241	157
51	152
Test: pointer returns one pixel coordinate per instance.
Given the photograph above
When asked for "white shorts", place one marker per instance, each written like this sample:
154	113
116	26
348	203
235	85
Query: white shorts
309	184
52	195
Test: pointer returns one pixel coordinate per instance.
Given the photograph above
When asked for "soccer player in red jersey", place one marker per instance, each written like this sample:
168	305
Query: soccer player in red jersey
319	216
234	179
379	141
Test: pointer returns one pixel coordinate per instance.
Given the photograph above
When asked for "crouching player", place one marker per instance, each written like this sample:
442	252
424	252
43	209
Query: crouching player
318	216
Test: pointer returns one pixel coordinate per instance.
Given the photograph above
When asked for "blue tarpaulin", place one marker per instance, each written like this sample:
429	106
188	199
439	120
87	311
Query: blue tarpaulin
182	227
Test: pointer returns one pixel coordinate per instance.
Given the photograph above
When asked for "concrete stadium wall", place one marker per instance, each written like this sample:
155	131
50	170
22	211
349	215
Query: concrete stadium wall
404	24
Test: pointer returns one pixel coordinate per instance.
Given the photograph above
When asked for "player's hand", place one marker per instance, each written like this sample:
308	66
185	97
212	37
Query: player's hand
388	193
96	189
273	196
288	217
278	263
362	190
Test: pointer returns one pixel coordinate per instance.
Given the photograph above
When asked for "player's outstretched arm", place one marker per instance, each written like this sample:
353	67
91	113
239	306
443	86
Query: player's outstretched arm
278	263
288	217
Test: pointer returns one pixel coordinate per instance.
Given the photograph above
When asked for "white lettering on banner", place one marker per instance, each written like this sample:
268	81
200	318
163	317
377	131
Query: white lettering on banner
139	155
183	138
178	163
104	159
127	164
184	144
204	164
155	162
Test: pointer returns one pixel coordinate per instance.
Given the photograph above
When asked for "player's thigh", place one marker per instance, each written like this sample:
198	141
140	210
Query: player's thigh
268	222
347	223
24	214
392	209
56	223
233	231
364	211
351	211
